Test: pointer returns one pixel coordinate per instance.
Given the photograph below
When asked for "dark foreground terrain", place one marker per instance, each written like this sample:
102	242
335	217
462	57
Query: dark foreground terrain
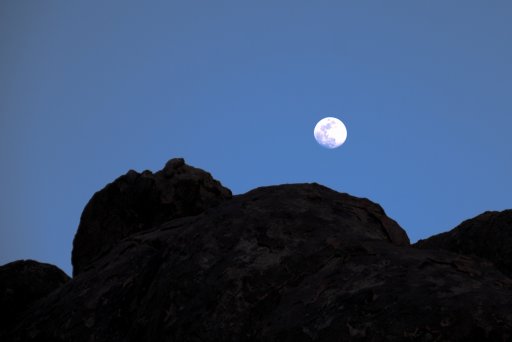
173	256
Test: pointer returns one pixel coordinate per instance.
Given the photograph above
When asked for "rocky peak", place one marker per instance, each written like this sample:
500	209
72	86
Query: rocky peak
487	236
139	201
318	207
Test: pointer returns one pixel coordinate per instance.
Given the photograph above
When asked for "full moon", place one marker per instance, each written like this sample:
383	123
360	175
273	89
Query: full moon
330	132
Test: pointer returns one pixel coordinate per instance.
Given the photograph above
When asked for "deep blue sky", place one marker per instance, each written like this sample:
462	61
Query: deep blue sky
91	90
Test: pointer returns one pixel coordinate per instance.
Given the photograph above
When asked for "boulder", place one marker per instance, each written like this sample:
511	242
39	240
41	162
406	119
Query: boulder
22	283
139	201
488	236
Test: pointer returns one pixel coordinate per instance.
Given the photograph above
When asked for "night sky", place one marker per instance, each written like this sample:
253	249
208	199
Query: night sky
91	89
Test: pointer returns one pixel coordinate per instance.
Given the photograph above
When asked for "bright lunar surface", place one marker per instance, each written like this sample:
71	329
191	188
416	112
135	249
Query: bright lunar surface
330	132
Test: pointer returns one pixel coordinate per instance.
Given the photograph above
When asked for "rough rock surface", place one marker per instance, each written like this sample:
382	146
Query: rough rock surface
139	201
296	262
487	236
22	283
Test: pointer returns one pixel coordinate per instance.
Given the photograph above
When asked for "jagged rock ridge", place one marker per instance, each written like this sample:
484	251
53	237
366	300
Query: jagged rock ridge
296	262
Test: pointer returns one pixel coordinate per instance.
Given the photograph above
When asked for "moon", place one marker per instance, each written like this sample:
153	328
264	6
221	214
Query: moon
330	132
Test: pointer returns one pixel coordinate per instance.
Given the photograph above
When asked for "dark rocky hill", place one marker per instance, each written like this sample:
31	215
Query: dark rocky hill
488	236
22	283
139	201
172	256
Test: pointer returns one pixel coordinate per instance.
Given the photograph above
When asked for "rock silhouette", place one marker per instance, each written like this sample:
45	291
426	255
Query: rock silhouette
488	236
294	262
139	201
22	283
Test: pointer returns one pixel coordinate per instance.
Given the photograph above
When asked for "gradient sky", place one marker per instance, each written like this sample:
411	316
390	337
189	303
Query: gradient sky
89	90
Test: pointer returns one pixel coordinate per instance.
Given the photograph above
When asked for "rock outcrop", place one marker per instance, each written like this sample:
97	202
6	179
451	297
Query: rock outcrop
22	283
139	201
295	262
488	236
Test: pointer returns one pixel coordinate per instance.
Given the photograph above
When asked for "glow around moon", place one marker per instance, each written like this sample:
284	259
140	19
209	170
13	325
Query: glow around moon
330	132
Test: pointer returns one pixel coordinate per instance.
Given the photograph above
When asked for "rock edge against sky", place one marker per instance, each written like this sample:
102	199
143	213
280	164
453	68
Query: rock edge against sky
172	255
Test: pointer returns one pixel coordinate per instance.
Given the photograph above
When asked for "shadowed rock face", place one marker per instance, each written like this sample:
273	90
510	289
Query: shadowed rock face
487	236
139	201
22	283
297	262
